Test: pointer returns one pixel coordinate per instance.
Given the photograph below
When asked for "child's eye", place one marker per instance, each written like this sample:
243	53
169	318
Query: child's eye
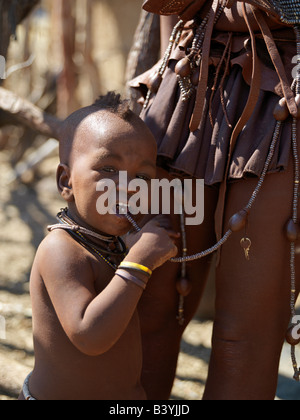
144	178
109	170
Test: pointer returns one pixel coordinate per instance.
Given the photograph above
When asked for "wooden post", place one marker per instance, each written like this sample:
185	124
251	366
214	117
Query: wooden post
67	82
91	66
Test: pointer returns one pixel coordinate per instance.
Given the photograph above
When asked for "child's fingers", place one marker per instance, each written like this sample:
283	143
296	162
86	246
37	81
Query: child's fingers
163	221
173	235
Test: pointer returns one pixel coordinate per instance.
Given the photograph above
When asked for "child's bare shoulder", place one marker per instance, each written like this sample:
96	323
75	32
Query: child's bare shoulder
60	244
59	254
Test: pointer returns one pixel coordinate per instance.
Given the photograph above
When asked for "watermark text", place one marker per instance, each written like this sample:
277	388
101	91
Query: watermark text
154	197
2	328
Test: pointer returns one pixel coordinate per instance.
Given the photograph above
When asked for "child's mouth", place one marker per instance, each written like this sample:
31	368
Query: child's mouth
121	209
124	211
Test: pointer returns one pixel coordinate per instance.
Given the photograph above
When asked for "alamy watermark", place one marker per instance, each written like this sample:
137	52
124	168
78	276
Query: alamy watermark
296	68
154	197
2	328
3	74
296	329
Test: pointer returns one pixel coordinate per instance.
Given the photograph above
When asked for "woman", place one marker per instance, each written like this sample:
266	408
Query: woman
222	109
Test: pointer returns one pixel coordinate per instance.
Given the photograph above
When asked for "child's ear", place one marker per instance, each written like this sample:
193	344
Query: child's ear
64	184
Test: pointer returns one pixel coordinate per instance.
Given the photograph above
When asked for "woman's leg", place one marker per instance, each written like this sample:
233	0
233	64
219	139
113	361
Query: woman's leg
253	297
161	333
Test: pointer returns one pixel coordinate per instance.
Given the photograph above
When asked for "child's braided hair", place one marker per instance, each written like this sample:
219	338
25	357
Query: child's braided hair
112	102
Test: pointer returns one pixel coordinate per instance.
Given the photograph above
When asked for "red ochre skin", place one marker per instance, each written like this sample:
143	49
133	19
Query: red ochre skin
86	326
253	295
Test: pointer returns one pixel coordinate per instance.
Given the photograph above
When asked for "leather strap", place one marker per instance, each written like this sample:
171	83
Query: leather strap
204	70
174	7
277	61
246	115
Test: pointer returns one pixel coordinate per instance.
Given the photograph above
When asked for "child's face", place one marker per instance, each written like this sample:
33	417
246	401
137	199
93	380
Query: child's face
104	145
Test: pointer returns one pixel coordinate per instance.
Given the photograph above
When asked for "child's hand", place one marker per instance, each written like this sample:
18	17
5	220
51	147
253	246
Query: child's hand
154	244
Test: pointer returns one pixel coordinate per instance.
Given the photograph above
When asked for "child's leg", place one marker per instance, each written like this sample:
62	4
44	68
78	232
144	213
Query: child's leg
253	297
161	332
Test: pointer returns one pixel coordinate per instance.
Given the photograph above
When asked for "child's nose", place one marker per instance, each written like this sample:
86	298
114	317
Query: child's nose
125	187
130	189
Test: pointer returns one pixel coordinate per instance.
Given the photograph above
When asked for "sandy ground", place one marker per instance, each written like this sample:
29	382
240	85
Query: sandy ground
25	211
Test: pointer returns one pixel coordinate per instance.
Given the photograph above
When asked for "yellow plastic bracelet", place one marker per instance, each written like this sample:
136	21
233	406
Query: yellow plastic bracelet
134	266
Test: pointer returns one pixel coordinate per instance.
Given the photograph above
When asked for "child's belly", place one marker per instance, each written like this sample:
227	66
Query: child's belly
62	372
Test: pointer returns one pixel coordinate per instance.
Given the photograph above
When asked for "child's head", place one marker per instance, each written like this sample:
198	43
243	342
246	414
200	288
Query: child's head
97	143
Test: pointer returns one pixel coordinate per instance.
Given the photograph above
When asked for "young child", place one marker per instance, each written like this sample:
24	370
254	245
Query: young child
85	322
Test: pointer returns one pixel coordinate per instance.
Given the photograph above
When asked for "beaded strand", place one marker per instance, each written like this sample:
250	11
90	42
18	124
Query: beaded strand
156	80
187	72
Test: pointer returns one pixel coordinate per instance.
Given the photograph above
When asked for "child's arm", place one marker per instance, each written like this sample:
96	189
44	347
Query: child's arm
94	323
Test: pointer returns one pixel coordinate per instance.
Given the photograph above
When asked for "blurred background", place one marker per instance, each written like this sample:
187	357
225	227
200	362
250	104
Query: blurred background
88	39
63	55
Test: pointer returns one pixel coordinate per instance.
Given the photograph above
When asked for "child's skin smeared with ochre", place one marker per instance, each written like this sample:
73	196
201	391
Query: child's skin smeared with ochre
86	327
